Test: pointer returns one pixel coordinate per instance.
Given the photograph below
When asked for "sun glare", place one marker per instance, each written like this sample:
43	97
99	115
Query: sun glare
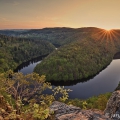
108	30
107	35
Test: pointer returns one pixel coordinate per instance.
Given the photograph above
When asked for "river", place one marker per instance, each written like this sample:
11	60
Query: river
106	81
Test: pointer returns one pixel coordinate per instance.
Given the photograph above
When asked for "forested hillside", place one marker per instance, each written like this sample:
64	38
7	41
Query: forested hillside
14	51
83	52
57	36
82	58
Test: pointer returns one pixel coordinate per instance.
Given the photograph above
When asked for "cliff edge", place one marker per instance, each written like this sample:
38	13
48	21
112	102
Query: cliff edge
69	112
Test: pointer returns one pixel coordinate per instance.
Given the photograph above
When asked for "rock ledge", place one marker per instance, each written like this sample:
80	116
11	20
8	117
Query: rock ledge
69	112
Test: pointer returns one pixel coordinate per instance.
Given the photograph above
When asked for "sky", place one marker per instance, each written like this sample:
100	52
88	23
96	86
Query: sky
36	14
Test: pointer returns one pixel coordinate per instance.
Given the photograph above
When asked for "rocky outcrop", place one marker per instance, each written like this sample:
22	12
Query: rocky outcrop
69	112
113	106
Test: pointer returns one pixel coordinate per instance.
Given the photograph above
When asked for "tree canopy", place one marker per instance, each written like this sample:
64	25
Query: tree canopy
14	51
82	58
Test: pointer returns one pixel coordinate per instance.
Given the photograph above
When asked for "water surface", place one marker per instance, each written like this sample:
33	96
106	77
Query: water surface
106	81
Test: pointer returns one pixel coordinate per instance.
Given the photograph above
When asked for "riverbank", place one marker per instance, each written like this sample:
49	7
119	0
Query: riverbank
108	77
27	63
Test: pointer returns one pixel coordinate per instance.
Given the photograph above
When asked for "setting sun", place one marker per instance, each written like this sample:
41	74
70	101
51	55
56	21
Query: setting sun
108	30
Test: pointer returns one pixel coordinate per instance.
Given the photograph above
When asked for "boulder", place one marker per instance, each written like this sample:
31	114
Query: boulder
113	106
69	112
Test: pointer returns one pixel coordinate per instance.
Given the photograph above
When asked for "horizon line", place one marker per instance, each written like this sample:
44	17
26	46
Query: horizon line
54	27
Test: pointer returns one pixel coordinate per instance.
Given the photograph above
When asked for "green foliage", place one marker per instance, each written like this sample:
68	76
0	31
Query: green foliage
63	93
27	92
84	104
95	102
38	111
14	51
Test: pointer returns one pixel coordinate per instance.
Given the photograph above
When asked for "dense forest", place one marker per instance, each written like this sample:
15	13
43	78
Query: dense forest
14	51
57	36
83	52
82	58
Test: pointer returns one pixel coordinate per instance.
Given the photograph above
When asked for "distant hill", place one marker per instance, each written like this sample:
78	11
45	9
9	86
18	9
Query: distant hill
14	51
57	36
83	58
12	32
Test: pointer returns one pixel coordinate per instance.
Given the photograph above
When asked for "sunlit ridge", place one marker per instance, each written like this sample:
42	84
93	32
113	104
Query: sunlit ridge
107	37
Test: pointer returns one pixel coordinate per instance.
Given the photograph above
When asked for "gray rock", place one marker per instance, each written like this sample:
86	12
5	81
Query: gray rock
60	108
113	106
69	112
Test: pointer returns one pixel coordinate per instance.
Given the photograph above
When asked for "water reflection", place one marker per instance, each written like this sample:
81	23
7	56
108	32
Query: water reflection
28	67
106	81
74	82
